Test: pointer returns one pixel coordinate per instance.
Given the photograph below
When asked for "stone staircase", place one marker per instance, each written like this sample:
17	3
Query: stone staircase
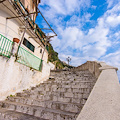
60	98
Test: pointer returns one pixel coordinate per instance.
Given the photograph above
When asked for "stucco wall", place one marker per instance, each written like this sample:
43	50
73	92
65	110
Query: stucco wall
15	77
52	66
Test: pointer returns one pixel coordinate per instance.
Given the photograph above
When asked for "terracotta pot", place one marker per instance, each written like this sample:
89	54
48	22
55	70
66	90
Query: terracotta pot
16	40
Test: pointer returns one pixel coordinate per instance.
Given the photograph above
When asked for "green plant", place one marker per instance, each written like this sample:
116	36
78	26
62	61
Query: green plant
11	95
53	57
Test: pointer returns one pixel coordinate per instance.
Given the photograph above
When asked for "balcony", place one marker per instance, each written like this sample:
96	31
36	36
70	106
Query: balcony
24	57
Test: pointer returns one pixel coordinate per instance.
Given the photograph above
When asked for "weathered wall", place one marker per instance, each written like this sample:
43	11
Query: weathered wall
52	66
15	77
92	66
104	100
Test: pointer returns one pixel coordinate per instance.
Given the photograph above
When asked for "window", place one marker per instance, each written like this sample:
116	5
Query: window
28	45
40	50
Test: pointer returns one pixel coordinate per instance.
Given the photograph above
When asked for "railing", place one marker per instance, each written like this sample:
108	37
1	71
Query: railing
5	46
24	57
29	59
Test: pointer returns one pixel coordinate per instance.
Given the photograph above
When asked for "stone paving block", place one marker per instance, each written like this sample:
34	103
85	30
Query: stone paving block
68	94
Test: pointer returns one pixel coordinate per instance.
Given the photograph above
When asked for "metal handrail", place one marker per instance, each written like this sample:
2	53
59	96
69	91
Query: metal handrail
5	46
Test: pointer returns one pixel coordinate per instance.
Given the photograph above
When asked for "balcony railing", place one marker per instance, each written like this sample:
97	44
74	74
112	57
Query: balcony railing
5	46
24	57
28	59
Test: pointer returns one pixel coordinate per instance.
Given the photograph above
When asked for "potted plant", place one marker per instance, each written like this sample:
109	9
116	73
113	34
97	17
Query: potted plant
16	40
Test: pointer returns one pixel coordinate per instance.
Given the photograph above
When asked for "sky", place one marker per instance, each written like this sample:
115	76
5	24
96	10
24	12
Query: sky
87	30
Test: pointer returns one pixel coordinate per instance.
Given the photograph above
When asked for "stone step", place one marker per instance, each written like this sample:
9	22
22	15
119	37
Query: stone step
13	115
36	111
63	82
70	72
71	78
74	82
60	91
79	98
70	93
69	107
59	87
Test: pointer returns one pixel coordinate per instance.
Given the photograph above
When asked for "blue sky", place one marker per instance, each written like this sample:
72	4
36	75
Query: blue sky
86	29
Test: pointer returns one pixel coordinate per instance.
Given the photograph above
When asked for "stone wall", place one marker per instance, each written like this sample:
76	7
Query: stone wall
92	66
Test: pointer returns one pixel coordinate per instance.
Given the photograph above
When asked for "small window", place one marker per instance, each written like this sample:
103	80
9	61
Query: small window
28	45
40	50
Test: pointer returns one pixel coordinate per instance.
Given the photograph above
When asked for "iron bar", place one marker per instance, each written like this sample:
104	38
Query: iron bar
47	22
21	15
45	19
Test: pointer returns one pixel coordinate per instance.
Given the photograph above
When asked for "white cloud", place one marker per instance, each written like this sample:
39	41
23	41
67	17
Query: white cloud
74	21
79	21
113	21
94	43
114	10
93	7
117	35
63	7
111	3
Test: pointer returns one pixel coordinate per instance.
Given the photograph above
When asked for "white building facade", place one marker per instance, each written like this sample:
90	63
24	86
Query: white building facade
23	50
